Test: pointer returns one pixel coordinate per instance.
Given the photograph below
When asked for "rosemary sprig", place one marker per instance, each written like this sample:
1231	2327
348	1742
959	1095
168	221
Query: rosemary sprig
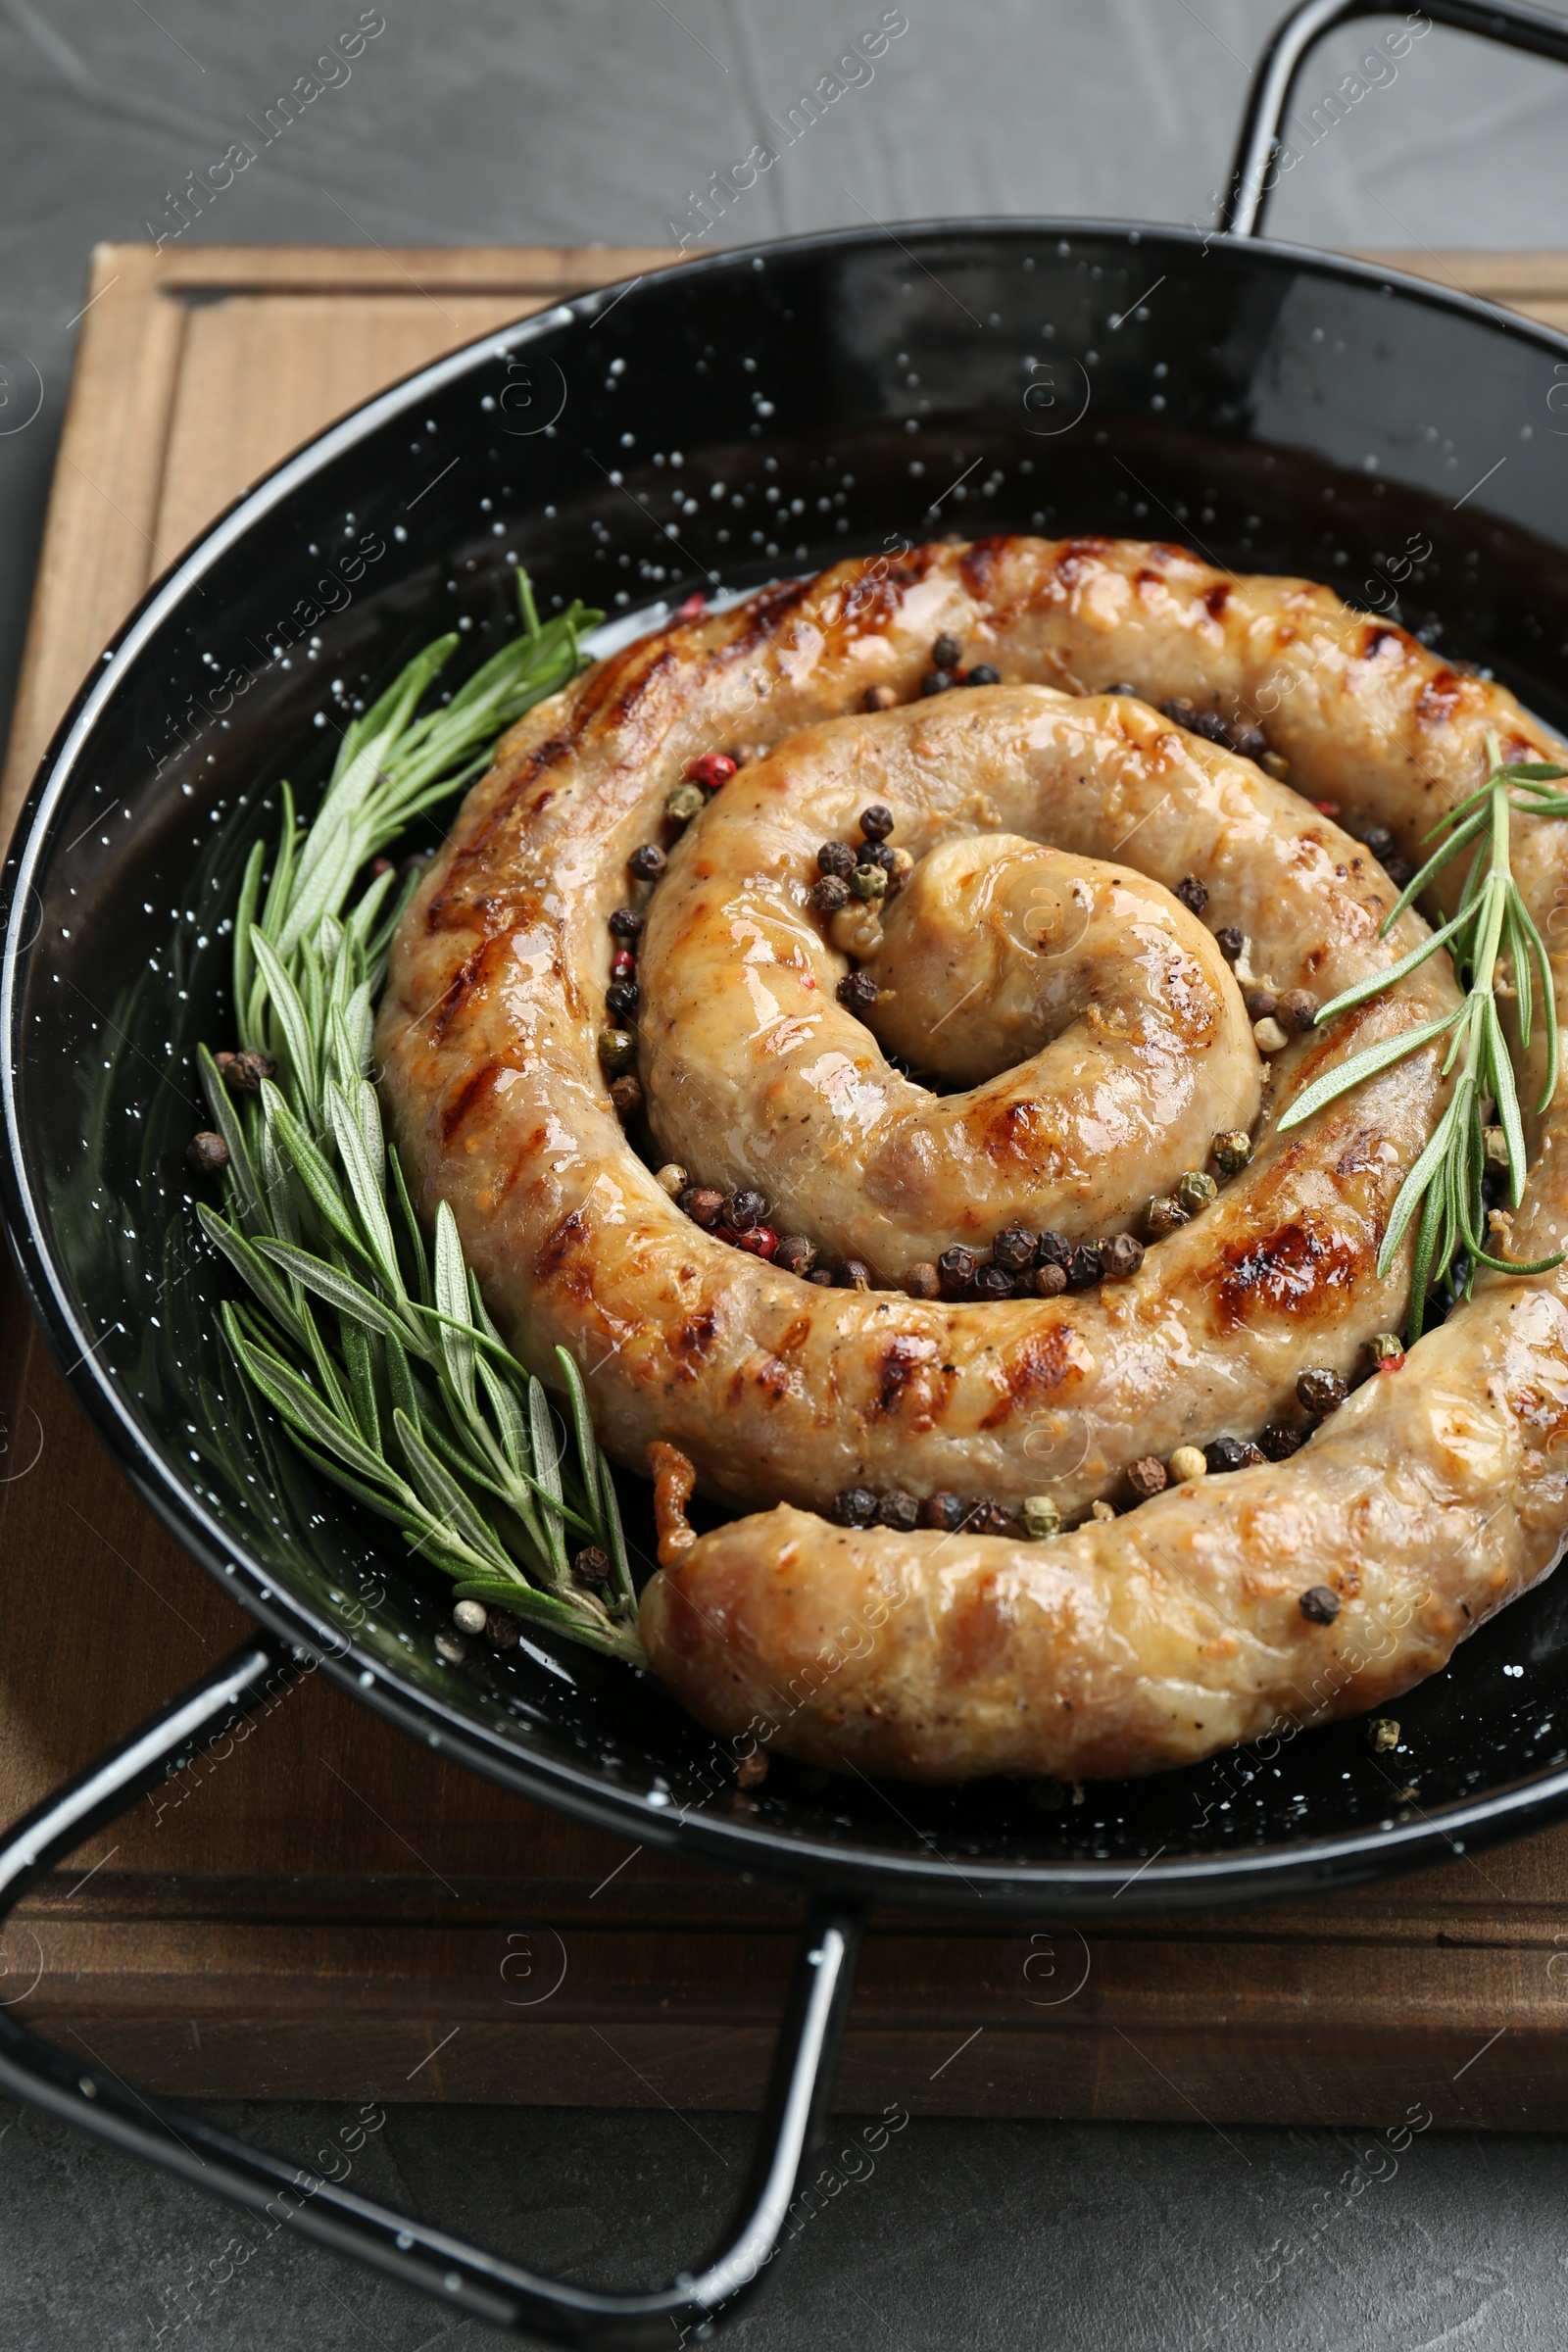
1445	1183
372	1347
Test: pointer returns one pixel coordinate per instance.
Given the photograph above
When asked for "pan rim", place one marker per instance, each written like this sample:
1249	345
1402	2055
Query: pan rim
1079	1888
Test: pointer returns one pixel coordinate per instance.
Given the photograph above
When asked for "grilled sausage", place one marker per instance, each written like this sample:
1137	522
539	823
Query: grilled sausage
1426	1500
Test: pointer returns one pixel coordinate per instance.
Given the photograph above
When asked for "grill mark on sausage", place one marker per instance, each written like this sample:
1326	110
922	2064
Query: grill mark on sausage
1440	697
759	620
465	982
1293	1271
1045	1362
449	909
900	1363
467	1097
980	563
694	1338
1079	560
560	1243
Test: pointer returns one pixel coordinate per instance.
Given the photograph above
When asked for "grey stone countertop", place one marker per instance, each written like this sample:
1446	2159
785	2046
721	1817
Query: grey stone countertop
576	120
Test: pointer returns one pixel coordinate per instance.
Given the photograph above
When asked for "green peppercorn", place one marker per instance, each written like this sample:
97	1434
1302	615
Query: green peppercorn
1232	1151
868	882
684	802
618	1051
1162	1216
1039	1517
1194	1190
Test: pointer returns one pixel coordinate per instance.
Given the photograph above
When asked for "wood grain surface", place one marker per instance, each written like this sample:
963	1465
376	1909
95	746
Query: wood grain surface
332	1910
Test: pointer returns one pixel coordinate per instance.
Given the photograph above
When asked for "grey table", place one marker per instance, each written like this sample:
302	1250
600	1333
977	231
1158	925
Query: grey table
604	118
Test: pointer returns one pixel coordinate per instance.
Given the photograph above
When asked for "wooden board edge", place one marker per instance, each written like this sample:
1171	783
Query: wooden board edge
362	269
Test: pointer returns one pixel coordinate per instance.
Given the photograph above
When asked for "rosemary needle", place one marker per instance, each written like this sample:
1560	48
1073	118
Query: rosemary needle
1445	1183
371	1344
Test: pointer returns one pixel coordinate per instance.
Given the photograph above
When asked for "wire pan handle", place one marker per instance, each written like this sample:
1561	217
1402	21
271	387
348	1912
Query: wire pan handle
1513	22
462	2277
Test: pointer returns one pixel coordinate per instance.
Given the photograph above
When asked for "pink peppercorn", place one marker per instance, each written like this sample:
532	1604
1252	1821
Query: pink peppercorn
622	964
1327	808
693	608
712	769
1392	1363
760	1240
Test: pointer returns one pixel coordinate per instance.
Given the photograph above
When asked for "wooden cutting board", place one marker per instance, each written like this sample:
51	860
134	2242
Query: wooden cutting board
333	1911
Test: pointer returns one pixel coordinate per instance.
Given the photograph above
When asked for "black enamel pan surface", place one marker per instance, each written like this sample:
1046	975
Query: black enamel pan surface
748	416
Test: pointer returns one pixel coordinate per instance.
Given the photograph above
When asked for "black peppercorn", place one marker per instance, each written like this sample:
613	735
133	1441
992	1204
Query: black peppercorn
621	997
744	1209
921	1279
1052	1250
1084	1267
956	1271
936	681
829	895
1225	1453
986	1516
1193	894
947	651
704	1203
1260	1002
1015	1248
898	1510
855	1506
625	1096
245	1070
983	675
1278	1441
854	1275
1380	841
1250	740
857	992
1399	871
876	821
795	1253
1320	1390
993	1282
1179	710
207	1152
835	858
648	861
626	921
820	1276
1230	942
589	1568
877	853
1319	1605
945	1512
1048	1282
1121	1257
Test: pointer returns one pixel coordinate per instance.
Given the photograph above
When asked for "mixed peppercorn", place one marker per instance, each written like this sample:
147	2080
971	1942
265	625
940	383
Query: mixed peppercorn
1038	1517
617	1044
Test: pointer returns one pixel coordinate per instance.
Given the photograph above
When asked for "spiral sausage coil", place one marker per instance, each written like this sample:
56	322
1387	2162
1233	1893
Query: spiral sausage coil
877	1090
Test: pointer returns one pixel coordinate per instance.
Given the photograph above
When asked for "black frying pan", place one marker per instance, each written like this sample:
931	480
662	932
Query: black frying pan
749	414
